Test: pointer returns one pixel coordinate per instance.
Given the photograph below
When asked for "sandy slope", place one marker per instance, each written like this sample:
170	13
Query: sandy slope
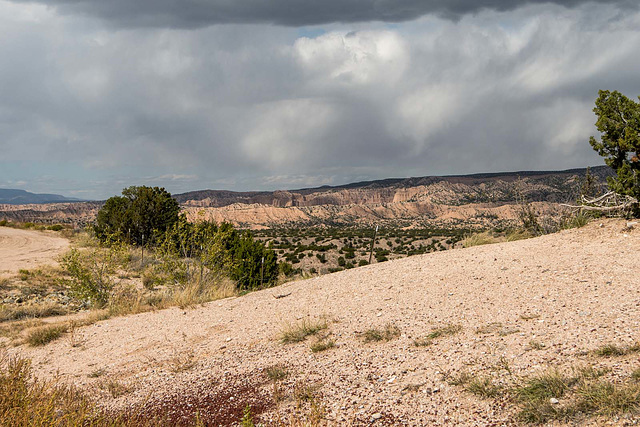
26	249
572	291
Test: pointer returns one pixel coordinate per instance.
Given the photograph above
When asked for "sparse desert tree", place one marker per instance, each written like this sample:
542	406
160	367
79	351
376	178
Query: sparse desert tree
619	123
141	215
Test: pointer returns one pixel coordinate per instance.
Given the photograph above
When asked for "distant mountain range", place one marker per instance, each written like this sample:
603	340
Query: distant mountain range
22	197
487	199
385	190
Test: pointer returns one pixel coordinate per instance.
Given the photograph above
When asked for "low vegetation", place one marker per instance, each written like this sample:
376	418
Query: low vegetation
26	400
322	345
309	251
387	333
478	239
19	312
609	350
555	395
297	332
34	226
45	334
443	331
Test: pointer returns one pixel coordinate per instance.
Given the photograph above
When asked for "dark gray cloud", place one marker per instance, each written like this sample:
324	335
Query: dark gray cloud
86	110
294	13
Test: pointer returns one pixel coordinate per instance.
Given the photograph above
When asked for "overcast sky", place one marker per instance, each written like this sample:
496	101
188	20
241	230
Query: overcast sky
99	95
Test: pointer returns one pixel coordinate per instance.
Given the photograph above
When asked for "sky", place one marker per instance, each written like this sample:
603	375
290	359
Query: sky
97	95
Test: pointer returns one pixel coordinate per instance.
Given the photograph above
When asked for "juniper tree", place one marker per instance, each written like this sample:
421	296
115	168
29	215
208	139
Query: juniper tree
619	123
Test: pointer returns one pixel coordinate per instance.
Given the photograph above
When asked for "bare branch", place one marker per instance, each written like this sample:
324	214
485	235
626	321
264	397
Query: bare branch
608	202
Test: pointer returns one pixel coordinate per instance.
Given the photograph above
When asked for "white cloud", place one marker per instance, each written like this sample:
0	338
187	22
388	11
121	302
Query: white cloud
354	58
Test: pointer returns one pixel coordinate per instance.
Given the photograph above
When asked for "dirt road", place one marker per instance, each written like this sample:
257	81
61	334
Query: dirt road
26	249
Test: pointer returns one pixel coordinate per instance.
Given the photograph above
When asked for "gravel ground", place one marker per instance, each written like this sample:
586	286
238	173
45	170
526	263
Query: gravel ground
570	292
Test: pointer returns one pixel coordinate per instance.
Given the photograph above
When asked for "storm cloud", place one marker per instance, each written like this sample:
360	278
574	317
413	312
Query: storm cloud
293	13
86	109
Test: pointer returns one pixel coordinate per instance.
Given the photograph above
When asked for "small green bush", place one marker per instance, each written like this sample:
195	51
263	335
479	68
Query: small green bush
90	273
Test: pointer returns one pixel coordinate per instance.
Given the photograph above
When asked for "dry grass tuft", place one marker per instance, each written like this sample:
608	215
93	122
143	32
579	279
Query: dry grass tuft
611	350
389	332
478	239
536	345
45	334
322	345
183	361
276	372
298	332
26	400
447	330
115	388
8	313
554	396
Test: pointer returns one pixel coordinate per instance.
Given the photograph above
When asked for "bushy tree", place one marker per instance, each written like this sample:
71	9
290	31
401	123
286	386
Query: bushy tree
253	264
223	248
141	215
619	123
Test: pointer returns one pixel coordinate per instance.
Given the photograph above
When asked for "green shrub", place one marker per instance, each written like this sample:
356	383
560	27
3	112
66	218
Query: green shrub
90	273
218	248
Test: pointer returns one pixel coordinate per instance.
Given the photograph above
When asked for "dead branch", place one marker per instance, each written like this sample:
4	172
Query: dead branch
608	202
281	295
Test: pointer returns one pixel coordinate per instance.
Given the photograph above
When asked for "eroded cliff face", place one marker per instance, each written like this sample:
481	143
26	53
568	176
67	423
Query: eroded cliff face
455	201
76	213
473	200
400	214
